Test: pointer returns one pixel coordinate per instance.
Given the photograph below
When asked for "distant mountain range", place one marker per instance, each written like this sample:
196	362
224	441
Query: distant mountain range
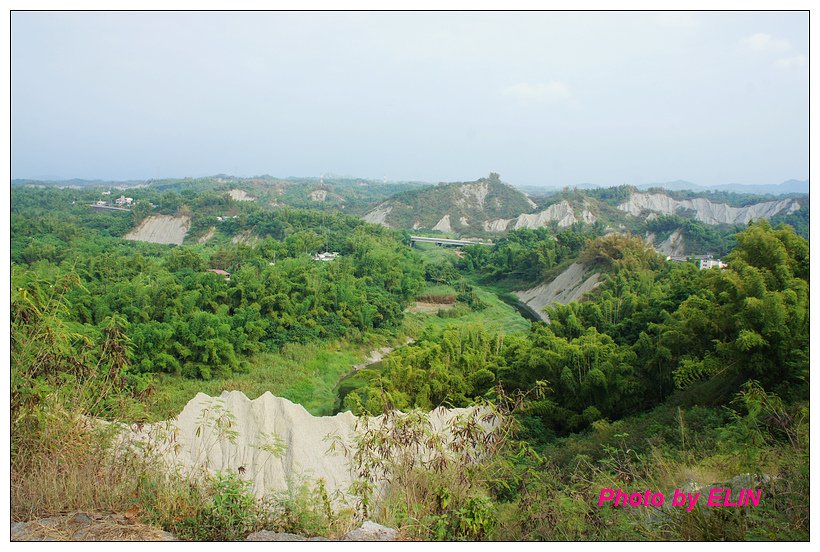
73	182
490	205
787	187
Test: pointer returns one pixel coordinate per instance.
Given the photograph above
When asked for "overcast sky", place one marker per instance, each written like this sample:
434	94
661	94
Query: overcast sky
547	99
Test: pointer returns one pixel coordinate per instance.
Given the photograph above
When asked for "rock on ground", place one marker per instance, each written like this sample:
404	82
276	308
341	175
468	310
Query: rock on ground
370	531
273	536
87	527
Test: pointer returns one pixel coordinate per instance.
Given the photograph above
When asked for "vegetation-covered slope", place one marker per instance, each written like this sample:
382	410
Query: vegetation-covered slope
351	195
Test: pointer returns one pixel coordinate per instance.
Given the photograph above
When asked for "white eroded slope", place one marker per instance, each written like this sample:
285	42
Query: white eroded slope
674	245
240	195
705	210
379	215
161	229
571	285
444	224
561	212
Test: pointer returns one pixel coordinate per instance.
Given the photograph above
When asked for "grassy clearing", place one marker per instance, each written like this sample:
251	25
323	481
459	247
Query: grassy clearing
432	253
304	374
434	290
497	316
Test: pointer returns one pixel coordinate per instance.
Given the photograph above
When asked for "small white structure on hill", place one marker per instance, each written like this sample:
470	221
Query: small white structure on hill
704	262
326	256
707	263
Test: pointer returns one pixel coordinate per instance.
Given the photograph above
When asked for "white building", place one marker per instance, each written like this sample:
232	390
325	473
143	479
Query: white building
705	264
326	256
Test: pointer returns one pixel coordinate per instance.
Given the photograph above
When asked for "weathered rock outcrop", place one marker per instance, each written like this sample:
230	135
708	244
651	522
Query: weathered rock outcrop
498	225
444	224
453	207
473	195
674	245
161	229
208	235
318	195
246	238
561	212
240	195
571	285
379	215
705	210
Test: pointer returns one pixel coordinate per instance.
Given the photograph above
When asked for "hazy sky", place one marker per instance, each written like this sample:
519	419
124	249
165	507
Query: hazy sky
541	98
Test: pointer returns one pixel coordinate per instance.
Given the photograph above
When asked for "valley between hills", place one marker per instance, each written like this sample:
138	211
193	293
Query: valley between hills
219	357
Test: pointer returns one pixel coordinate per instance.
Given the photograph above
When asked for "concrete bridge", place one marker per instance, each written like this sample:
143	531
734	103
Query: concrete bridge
445	241
108	208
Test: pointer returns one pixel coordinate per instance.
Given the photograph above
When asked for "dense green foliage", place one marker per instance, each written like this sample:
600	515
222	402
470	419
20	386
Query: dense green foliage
446	369
665	375
528	255
352	195
799	220
650	327
181	318
698	236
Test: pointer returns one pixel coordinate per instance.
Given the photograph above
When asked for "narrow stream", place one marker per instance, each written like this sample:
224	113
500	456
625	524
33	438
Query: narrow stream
374	357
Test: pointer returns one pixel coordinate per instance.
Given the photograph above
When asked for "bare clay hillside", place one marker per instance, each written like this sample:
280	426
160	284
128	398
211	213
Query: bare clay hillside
161	229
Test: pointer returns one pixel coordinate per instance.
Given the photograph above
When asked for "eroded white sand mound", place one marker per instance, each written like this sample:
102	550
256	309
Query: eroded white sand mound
269	441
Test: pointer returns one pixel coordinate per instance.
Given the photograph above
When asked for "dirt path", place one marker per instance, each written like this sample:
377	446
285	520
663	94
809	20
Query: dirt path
377	355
